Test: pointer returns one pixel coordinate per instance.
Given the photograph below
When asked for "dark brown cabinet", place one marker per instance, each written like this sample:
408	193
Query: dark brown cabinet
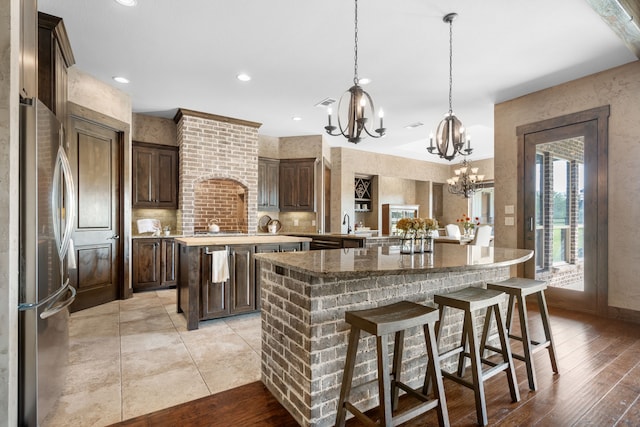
268	184
242	289
155	263
155	176
297	184
236	295
54	57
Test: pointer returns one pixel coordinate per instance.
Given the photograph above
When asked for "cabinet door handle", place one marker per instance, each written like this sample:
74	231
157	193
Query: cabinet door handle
114	237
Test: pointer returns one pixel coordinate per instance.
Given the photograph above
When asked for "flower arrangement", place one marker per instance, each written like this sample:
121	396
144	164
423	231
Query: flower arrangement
467	224
408	227
414	226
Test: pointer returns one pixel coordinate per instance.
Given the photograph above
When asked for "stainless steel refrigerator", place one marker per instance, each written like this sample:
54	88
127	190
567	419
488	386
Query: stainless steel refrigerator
47	209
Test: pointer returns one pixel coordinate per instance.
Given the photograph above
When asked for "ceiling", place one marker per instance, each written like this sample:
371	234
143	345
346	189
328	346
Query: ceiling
299	52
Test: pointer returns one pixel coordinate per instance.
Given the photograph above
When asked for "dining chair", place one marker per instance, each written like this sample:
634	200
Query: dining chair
453	230
482	236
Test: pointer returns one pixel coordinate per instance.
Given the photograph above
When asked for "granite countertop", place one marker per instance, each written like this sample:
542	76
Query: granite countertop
240	240
353	263
151	236
364	235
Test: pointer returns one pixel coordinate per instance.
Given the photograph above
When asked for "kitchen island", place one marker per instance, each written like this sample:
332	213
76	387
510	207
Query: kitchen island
304	298
203	294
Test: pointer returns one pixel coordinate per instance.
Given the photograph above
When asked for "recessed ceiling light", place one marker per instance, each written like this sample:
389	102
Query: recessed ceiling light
243	77
128	3
364	81
296	118
120	79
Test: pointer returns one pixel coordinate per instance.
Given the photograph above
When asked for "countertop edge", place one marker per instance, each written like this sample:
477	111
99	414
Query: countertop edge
399	271
239	240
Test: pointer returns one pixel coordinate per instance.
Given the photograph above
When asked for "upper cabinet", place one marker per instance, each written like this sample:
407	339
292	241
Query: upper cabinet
154	176
268	184
54	57
297	184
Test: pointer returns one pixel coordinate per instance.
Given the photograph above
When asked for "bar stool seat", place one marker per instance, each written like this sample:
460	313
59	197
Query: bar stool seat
518	288
471	300
381	321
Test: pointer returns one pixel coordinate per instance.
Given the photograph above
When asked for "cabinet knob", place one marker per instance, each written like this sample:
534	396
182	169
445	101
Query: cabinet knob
114	237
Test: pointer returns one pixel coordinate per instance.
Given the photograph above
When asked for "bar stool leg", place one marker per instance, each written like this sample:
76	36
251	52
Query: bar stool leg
384	381
464	343
544	313
433	368
476	366
526	342
426	389
350	362
506	355
398	348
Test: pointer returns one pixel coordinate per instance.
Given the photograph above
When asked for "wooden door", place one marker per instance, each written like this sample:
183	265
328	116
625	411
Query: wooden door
146	263
564	208
288	186
143	177
214	295
94	154
305	186
167	178
243	284
169	263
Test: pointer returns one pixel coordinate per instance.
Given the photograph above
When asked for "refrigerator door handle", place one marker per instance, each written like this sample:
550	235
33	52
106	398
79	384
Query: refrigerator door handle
67	212
53	297
54	309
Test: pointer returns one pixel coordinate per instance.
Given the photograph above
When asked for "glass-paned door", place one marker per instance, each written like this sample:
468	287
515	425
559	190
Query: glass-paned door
560	182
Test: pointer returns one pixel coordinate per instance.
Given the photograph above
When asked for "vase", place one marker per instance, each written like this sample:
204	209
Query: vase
428	244
418	245
406	245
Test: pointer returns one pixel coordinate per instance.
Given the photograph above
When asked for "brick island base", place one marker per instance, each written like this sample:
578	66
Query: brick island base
304	336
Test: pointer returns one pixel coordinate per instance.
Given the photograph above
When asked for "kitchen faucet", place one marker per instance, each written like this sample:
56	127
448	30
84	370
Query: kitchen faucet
346	220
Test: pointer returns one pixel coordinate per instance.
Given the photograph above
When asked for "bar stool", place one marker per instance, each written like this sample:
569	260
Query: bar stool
518	288
471	300
381	321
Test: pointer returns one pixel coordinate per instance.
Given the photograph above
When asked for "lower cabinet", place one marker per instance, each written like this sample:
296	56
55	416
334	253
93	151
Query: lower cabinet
241	292
155	263
242	289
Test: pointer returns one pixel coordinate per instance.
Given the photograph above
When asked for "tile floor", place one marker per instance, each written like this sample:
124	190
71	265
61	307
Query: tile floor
132	357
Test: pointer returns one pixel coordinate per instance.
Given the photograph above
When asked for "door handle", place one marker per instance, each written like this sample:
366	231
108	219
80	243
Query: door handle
530	223
114	237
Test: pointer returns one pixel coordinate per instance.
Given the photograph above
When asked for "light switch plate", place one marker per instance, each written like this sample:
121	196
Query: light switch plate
295	222
508	209
508	220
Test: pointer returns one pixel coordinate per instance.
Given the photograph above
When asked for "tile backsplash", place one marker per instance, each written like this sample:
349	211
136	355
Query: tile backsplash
167	217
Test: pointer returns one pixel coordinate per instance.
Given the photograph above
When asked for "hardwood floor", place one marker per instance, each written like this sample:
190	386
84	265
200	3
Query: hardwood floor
598	385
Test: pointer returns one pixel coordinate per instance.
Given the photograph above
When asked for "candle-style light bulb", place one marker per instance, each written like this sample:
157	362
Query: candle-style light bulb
431	140
381	115
329	112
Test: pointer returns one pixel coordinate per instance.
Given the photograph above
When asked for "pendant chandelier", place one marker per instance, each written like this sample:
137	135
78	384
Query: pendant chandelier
466	180
360	108
450	135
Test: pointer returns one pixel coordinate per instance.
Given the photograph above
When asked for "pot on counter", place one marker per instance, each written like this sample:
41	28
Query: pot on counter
274	226
213	227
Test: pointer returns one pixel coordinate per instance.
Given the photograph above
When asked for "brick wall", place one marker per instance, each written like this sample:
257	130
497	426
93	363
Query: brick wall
304	338
216	148
221	201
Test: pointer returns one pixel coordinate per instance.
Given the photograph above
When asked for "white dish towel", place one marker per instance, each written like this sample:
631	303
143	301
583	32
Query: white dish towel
219	266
